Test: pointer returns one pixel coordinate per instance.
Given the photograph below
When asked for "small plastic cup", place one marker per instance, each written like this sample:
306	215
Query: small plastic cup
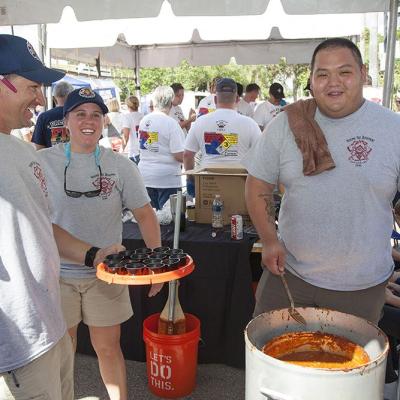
157	268
182	259
113	257
150	261
171	264
174	252
126	254
156	256
136	269
144	250
161	249
138	257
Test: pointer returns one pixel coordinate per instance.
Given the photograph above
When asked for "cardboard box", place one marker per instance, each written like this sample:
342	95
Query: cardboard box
227	181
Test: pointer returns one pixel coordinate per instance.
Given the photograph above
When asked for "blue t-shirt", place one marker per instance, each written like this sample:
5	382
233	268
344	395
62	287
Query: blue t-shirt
50	129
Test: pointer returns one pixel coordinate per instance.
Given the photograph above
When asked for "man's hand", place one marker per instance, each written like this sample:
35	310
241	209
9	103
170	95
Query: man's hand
394	288
105	251
391	298
192	115
155	288
273	257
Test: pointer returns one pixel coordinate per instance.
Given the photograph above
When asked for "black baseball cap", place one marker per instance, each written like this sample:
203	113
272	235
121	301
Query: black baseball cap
276	89
82	96
17	56
226	85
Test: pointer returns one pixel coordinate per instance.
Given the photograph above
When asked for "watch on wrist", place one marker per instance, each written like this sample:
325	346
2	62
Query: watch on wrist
90	256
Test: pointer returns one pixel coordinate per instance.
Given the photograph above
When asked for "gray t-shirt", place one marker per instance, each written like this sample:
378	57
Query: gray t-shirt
31	321
96	220
336	226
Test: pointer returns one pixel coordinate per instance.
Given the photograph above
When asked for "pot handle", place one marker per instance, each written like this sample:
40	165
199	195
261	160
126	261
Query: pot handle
274	395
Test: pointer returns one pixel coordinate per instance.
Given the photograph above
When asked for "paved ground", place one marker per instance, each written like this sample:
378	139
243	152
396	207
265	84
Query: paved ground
214	381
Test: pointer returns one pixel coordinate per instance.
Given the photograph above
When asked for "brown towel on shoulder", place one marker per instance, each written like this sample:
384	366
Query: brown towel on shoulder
309	137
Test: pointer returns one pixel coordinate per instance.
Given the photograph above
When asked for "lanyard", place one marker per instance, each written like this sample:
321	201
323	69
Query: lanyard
67	152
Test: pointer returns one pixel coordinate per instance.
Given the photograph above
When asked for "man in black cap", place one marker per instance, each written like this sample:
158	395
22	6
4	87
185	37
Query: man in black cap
224	135
267	110
35	351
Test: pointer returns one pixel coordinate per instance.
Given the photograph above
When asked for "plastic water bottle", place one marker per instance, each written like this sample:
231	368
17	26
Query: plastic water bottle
217	222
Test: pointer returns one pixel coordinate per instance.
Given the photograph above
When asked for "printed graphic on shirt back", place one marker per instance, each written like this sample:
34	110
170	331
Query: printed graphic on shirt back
224	144
359	149
59	134
148	141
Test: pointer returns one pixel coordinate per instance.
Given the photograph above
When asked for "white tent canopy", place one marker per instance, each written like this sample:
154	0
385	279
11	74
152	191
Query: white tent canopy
168	28
25	12
296	51
20	12
199	40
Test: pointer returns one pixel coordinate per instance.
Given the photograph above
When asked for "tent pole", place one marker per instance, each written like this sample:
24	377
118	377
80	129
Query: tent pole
44	54
137	72
390	53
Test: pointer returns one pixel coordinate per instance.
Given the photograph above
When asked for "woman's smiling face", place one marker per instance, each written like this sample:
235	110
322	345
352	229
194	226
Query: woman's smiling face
85	125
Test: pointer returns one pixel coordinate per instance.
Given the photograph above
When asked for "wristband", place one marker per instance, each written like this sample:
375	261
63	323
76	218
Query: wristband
90	256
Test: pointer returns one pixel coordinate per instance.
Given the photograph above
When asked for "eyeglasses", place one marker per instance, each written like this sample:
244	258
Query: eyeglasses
75	194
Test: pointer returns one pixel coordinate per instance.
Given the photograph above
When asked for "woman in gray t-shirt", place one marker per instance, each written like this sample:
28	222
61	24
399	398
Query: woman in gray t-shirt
88	187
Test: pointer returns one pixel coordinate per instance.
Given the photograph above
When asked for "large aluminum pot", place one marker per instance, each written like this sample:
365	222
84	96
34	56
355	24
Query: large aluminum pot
270	378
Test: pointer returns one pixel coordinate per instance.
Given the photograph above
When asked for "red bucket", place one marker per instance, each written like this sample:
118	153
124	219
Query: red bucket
171	359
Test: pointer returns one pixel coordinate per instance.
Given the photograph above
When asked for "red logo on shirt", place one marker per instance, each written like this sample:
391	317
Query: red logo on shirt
359	151
107	185
38	174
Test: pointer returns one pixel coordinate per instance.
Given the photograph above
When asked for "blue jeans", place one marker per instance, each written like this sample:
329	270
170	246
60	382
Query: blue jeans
159	196
190	185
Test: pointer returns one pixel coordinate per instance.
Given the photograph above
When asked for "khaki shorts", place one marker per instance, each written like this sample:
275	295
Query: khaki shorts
271	295
94	302
49	377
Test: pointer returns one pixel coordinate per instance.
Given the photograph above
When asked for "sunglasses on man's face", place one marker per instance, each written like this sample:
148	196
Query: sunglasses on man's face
75	194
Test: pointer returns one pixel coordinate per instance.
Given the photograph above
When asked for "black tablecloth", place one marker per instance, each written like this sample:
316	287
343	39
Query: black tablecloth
218	292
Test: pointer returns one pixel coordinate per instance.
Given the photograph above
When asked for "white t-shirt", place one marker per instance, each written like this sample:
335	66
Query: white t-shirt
131	121
245	108
206	105
223	135
177	114
160	136
264	113
336	226
116	119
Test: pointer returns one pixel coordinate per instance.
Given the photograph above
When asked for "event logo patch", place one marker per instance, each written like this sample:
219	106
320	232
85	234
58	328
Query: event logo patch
221	123
107	185
39	175
32	51
359	149
87	93
223	144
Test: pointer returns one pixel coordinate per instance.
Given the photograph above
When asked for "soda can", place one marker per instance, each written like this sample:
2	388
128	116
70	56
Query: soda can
236	227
